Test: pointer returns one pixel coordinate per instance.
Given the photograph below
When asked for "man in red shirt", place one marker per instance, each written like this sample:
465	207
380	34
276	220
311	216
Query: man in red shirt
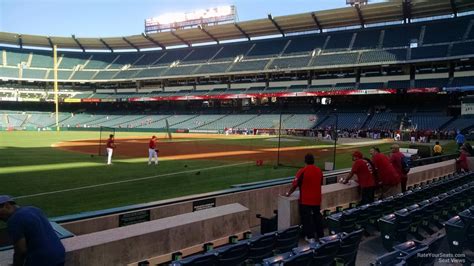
110	148
364	171
152	151
396	159
387	175
309	179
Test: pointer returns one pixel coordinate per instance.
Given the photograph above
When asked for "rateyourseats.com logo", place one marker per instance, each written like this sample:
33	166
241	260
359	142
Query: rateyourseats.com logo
445	257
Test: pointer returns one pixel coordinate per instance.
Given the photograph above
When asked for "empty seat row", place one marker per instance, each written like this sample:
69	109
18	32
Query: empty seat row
412	253
460	232
252	250
338	249
367	215
425	216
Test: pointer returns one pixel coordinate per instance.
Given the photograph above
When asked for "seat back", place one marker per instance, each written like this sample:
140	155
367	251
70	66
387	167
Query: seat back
287	239
233	255
325	253
261	247
456	234
276	260
390	259
349	246
207	259
301	259
348	220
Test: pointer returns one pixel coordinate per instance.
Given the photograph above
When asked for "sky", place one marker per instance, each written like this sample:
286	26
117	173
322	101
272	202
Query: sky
108	18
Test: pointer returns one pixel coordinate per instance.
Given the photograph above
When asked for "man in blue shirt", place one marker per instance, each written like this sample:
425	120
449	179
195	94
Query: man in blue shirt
34	239
460	139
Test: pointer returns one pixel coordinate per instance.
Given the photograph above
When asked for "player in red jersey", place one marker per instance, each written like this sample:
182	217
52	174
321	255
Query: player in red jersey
110	148
152	150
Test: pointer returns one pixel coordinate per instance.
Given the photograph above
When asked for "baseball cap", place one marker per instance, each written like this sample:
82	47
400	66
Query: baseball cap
5	199
357	154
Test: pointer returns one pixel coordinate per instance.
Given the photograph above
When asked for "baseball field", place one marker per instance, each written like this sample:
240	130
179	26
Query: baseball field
62	173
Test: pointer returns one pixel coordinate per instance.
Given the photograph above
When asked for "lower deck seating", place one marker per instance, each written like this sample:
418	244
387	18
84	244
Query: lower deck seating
252	250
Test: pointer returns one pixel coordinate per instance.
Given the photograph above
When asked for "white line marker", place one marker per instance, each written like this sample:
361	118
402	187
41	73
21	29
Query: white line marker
128	181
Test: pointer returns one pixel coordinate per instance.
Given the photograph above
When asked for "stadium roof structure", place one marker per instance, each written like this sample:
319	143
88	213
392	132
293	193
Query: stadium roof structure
396	10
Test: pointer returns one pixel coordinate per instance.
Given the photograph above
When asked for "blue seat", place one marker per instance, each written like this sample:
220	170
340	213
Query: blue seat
232	255
394	258
206	259
261	247
287	239
277	260
300	259
325	251
349	245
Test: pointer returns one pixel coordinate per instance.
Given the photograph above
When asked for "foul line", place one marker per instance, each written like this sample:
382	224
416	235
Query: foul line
128	181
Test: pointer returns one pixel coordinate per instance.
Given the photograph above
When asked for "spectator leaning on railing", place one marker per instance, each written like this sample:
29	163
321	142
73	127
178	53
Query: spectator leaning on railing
309	179
363	168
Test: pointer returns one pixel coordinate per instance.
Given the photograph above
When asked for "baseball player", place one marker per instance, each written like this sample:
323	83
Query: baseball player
110	148
152	150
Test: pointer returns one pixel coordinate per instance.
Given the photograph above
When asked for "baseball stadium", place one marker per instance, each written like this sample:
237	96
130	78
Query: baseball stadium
181	145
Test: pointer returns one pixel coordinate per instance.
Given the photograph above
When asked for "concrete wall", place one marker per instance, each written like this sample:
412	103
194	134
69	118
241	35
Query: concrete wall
261	201
124	245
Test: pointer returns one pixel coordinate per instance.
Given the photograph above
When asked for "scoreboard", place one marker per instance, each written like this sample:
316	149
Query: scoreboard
204	17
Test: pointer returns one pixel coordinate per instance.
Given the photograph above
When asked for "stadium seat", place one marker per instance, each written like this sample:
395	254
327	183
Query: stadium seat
233	254
344	221
300	259
324	252
206	259
394	258
276	260
411	251
261	247
456	232
467	216
287	239
349	246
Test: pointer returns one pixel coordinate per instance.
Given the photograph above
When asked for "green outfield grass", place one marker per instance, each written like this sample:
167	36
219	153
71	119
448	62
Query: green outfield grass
62	182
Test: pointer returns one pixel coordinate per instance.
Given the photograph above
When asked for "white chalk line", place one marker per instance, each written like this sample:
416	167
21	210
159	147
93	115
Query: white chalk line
128	181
